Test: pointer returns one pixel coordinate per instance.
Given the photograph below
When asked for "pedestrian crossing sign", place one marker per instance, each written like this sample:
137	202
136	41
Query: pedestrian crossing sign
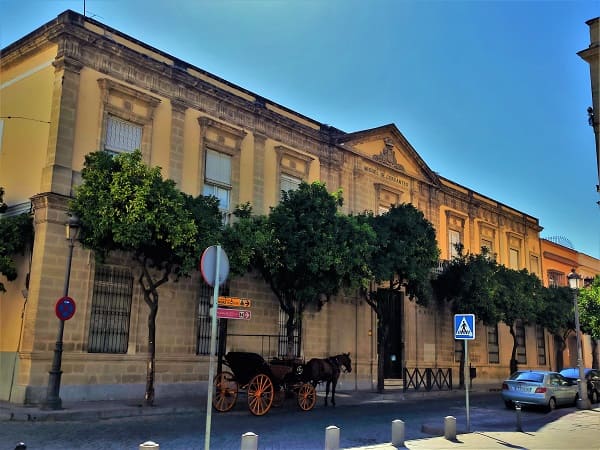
464	326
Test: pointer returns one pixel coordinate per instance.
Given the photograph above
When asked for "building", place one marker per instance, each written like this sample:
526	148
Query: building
559	258
74	86
591	55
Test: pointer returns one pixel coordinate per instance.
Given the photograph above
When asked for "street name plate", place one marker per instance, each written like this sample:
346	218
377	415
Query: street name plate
235	301
225	313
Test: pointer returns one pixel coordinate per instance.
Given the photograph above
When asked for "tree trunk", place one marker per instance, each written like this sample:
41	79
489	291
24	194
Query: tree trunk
513	356
290	327
149	395
595	364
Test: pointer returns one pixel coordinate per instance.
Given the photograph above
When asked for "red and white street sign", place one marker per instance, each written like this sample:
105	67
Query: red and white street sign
225	313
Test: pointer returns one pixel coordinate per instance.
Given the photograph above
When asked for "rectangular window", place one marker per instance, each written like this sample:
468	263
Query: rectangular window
534	265
289	183
122	136
521	348
111	310
514	259
283	338
556	279
493	348
217	179
453	239
489	245
204	321
541	344
382	210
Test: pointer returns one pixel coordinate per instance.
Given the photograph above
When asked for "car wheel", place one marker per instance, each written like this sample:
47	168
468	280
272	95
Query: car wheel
509	404
594	396
552	404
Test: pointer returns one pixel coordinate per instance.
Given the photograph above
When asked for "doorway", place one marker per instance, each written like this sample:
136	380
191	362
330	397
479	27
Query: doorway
392	317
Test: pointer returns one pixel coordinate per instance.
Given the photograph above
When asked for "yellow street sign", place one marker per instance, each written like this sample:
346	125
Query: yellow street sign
235	301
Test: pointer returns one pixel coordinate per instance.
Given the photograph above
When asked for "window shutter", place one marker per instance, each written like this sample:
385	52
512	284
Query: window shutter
218	168
122	136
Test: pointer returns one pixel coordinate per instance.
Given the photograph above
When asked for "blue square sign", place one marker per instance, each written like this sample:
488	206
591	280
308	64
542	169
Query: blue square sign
464	326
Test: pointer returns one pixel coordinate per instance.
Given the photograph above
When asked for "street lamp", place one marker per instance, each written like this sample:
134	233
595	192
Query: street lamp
53	400
583	401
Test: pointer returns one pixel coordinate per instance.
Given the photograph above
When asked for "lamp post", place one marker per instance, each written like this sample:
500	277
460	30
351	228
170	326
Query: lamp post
583	401
53	400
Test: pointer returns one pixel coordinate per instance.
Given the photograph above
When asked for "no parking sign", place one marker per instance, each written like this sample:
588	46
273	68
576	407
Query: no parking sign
65	308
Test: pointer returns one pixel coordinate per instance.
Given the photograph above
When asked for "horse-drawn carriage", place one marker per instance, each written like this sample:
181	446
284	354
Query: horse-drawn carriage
267	384
264	383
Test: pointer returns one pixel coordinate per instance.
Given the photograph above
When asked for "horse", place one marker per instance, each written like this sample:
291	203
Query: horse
328	370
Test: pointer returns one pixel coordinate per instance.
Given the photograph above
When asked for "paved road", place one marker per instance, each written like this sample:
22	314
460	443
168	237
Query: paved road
282	428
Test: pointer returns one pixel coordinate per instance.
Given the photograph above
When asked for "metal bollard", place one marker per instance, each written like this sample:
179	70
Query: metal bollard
518	409
149	445
450	428
249	441
398	433
21	446
332	438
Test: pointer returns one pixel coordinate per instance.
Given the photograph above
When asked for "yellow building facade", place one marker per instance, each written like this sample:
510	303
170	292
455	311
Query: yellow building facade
74	86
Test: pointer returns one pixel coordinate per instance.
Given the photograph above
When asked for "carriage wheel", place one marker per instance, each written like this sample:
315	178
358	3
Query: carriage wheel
226	391
260	394
307	397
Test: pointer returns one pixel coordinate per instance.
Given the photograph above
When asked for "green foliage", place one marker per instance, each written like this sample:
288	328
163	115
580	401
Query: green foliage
521	295
244	240
3	206
17	233
307	255
406	251
589	309
555	311
304	249
125	205
469	283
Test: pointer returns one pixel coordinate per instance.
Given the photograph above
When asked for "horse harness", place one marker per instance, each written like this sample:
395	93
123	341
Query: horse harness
333	360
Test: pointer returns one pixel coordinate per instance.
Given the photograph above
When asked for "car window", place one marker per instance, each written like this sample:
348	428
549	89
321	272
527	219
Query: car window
528	376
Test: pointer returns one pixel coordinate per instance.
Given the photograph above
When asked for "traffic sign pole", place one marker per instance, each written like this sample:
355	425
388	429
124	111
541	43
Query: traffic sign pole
466	375
213	348
464	329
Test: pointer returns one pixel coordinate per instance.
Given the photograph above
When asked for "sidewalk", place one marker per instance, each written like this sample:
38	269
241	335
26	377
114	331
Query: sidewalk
578	430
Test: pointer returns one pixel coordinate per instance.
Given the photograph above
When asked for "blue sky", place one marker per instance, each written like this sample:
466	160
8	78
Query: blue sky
491	94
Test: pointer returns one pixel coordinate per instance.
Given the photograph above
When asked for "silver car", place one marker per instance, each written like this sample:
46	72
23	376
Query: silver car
538	387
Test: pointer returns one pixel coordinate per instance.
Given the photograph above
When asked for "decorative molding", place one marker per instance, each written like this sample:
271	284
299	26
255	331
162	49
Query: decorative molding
110	87
384	193
387	157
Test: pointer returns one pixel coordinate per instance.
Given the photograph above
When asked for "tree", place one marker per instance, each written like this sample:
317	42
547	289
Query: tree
125	205
304	249
555	313
403	259
469	284
589	315
16	233
520	293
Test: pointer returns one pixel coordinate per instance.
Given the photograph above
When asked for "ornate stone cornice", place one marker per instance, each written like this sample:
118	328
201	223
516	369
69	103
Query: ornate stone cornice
166	76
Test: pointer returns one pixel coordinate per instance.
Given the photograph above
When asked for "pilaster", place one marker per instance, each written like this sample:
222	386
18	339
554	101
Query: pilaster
57	175
177	141
259	173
